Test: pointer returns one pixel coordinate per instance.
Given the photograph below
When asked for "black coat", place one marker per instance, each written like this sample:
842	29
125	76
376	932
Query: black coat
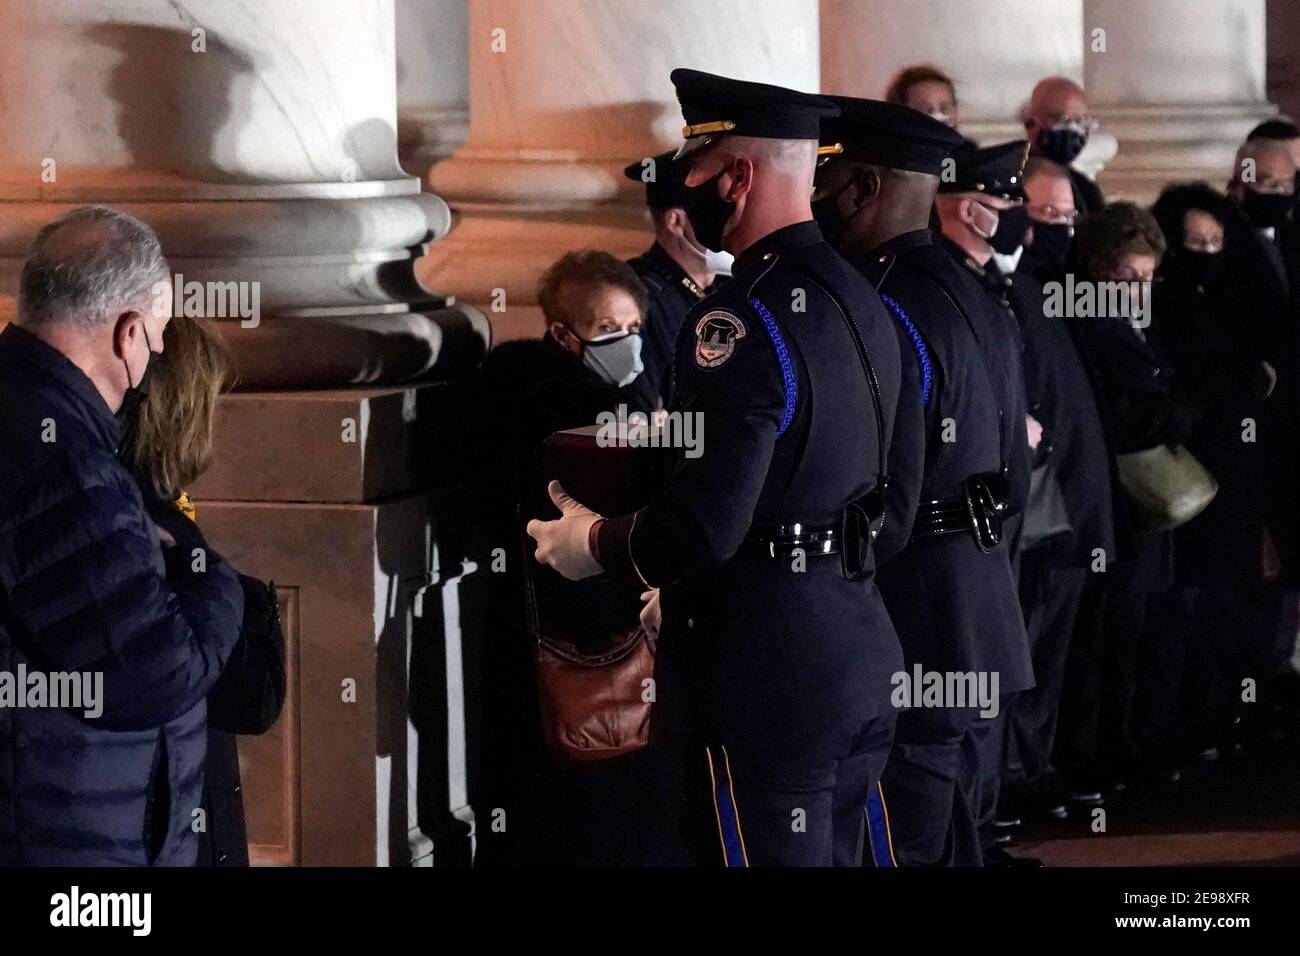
956	608
86	587
555	813
1259	294
1142	408
1223	386
246	699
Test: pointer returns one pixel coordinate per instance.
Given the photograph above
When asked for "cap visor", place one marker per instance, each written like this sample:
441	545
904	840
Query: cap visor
693	145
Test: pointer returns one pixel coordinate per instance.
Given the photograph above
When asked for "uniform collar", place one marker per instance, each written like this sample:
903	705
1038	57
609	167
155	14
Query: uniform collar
672	270
916	239
47	361
795	236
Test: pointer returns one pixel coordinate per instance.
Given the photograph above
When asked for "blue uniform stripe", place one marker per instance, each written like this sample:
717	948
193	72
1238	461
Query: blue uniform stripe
783	357
724	805
922	353
879	840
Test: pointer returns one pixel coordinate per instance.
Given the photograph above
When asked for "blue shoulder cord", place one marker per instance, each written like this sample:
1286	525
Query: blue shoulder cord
783	357
922	355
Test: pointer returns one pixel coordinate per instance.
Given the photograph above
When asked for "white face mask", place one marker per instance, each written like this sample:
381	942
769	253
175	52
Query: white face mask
942	117
719	263
615	357
1007	264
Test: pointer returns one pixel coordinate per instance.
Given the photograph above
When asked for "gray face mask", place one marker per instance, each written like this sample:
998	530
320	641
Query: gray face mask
615	357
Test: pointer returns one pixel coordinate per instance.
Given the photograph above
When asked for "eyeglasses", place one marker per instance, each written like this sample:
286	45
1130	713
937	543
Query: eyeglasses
1050	215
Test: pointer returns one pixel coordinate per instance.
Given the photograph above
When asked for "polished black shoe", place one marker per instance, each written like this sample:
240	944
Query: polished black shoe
1087	797
1007	821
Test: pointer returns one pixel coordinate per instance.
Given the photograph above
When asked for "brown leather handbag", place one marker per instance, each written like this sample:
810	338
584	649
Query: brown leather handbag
596	706
595	700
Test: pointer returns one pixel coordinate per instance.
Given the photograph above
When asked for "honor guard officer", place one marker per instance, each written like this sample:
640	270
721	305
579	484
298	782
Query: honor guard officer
676	271
951	592
774	637
982	217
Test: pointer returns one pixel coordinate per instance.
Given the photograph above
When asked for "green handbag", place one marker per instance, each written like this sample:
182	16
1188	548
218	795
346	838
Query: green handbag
1166	487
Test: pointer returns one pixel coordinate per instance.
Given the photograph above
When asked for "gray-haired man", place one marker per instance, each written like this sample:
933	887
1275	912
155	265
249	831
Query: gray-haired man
84	581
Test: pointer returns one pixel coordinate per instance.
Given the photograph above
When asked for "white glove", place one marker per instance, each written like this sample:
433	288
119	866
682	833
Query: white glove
650	614
1034	431
564	543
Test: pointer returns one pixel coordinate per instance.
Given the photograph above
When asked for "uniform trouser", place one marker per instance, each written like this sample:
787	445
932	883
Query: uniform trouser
931	782
982	758
1049	597
751	811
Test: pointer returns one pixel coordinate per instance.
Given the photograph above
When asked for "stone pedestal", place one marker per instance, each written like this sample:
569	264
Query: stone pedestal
563	94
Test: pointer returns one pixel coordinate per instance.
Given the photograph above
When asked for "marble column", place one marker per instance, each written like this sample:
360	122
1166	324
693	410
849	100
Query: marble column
1180	82
562	95
259	139
432	81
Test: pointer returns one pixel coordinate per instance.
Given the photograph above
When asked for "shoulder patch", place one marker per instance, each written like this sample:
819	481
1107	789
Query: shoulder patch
716	335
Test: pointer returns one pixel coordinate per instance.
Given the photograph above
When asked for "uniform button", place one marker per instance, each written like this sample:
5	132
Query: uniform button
1155	371
222	858
767	256
238	788
690	622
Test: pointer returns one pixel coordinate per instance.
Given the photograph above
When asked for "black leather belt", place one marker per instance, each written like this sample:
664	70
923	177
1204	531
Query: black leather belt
783	540
977	511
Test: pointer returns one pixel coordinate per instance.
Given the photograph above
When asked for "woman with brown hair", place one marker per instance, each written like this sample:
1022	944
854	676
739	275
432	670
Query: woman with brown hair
167	447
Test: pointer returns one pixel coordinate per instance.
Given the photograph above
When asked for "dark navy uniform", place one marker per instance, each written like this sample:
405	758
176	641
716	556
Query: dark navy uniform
775	644
672	293
670	289
951	592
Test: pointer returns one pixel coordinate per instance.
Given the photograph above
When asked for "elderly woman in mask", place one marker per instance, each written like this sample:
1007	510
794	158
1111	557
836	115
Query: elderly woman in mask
1120	248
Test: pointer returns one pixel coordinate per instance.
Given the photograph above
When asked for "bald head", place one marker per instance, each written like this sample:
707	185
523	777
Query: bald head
1267	164
1055	100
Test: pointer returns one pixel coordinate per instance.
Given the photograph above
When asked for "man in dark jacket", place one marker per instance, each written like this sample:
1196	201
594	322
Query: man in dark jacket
84	574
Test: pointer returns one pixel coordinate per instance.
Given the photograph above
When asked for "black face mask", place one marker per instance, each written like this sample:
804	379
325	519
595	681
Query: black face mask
1010	234
826	213
1267	210
1194	268
708	212
1061	146
1050	249
137	393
